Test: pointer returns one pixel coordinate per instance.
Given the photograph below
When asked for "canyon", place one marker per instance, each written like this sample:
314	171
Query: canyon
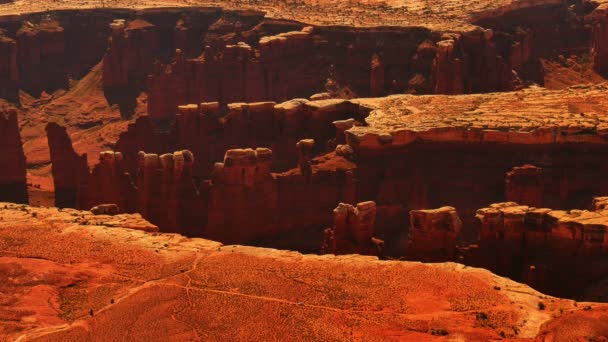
284	156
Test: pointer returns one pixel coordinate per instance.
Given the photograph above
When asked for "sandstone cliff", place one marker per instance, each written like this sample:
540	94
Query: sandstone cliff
68	168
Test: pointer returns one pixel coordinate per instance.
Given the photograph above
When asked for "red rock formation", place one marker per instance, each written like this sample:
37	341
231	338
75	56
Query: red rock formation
230	73
209	130
449	73
599	50
376	87
433	234
107	183
130	54
166	194
423	64
13	186
525	185
482	61
353	231
305	156
41	57
569	247
9	72
167	88
244	198
69	169
130	57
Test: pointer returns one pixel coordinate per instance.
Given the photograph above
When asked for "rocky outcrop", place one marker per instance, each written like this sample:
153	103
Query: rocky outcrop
242	202
13	186
68	168
231	73
525	185
449	68
9	72
244	194
167	194
376	87
353	231
433	234
210	129
474	141
107	182
131	53
546	247
482	61
41	57
162	189
599	51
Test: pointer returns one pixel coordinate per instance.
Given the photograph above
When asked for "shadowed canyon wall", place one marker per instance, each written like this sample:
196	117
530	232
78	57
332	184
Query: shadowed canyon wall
210	129
13	186
421	175
232	56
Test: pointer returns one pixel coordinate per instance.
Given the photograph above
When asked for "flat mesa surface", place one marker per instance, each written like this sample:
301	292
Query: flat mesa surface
69	276
532	116
440	15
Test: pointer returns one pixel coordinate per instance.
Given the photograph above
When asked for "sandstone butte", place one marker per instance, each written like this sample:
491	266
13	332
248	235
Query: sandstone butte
310	170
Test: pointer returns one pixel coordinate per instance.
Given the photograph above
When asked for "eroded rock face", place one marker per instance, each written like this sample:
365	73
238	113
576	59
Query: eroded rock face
433	234
12	164
210	129
231	73
353	231
9	72
525	185
69	169
559	251
107	182
41	57
242	192
600	42
130	53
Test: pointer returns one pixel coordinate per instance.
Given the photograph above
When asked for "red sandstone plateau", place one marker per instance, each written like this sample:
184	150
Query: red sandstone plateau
311	170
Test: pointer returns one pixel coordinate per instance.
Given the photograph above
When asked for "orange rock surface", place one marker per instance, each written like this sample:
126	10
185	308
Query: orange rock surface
249	121
71	276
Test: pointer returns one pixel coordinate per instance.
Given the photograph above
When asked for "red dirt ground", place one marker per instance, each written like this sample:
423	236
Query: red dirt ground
68	276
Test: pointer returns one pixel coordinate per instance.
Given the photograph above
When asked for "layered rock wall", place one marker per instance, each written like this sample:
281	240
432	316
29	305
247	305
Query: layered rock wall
68	168
546	247
210	129
9	72
41	56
